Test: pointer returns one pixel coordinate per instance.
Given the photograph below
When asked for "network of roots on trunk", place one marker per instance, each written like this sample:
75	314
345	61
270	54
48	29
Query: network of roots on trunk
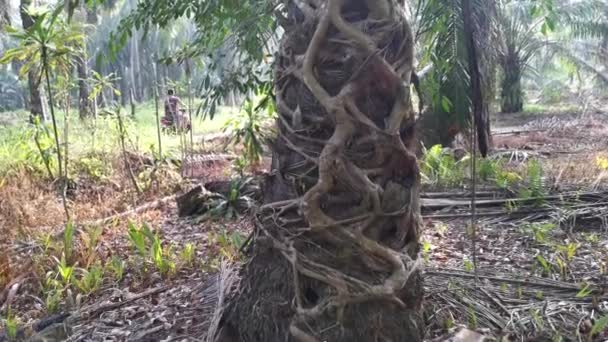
342	208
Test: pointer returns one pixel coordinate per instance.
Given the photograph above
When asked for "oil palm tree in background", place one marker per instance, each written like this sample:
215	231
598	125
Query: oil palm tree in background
509	33
152	51
526	28
517	46
585	39
603	47
11	90
443	59
138	66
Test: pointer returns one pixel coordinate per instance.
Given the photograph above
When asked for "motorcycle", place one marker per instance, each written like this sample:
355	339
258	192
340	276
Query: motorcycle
169	126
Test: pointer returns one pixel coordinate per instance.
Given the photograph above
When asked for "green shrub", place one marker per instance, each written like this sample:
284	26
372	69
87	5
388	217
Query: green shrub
188	254
534	182
488	169
441	168
94	167
507	180
150	248
10	325
18	150
116	267
539	231
90	280
252	127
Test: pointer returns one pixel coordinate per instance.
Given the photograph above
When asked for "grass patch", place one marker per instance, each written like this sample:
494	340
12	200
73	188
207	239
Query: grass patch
18	149
440	169
98	181
550	109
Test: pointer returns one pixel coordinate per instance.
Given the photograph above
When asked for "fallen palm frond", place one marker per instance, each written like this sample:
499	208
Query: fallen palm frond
564	208
216	295
518	306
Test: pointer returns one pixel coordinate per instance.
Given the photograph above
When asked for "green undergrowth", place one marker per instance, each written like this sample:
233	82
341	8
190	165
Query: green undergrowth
441	170
550	109
26	146
73	268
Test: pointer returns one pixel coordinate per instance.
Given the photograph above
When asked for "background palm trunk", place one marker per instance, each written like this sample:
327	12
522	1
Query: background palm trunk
88	106
85	105
5	17
123	86
604	45
132	77
337	241
512	95
37	109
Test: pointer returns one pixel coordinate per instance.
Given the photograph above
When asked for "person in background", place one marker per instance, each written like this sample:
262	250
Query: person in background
172	108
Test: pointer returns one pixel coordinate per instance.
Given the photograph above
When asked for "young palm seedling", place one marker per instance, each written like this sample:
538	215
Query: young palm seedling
49	45
11	325
90	280
236	201
188	254
117	268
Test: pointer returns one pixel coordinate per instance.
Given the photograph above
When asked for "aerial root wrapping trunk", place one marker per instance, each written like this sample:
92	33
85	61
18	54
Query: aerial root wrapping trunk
335	254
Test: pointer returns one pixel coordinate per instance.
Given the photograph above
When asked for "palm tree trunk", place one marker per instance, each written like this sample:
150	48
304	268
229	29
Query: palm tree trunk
5	17
124	86
33	76
91	19
139	87
434	129
132	80
134	75
85	107
479	115
604	44
337	240
166	75
135	62
512	95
